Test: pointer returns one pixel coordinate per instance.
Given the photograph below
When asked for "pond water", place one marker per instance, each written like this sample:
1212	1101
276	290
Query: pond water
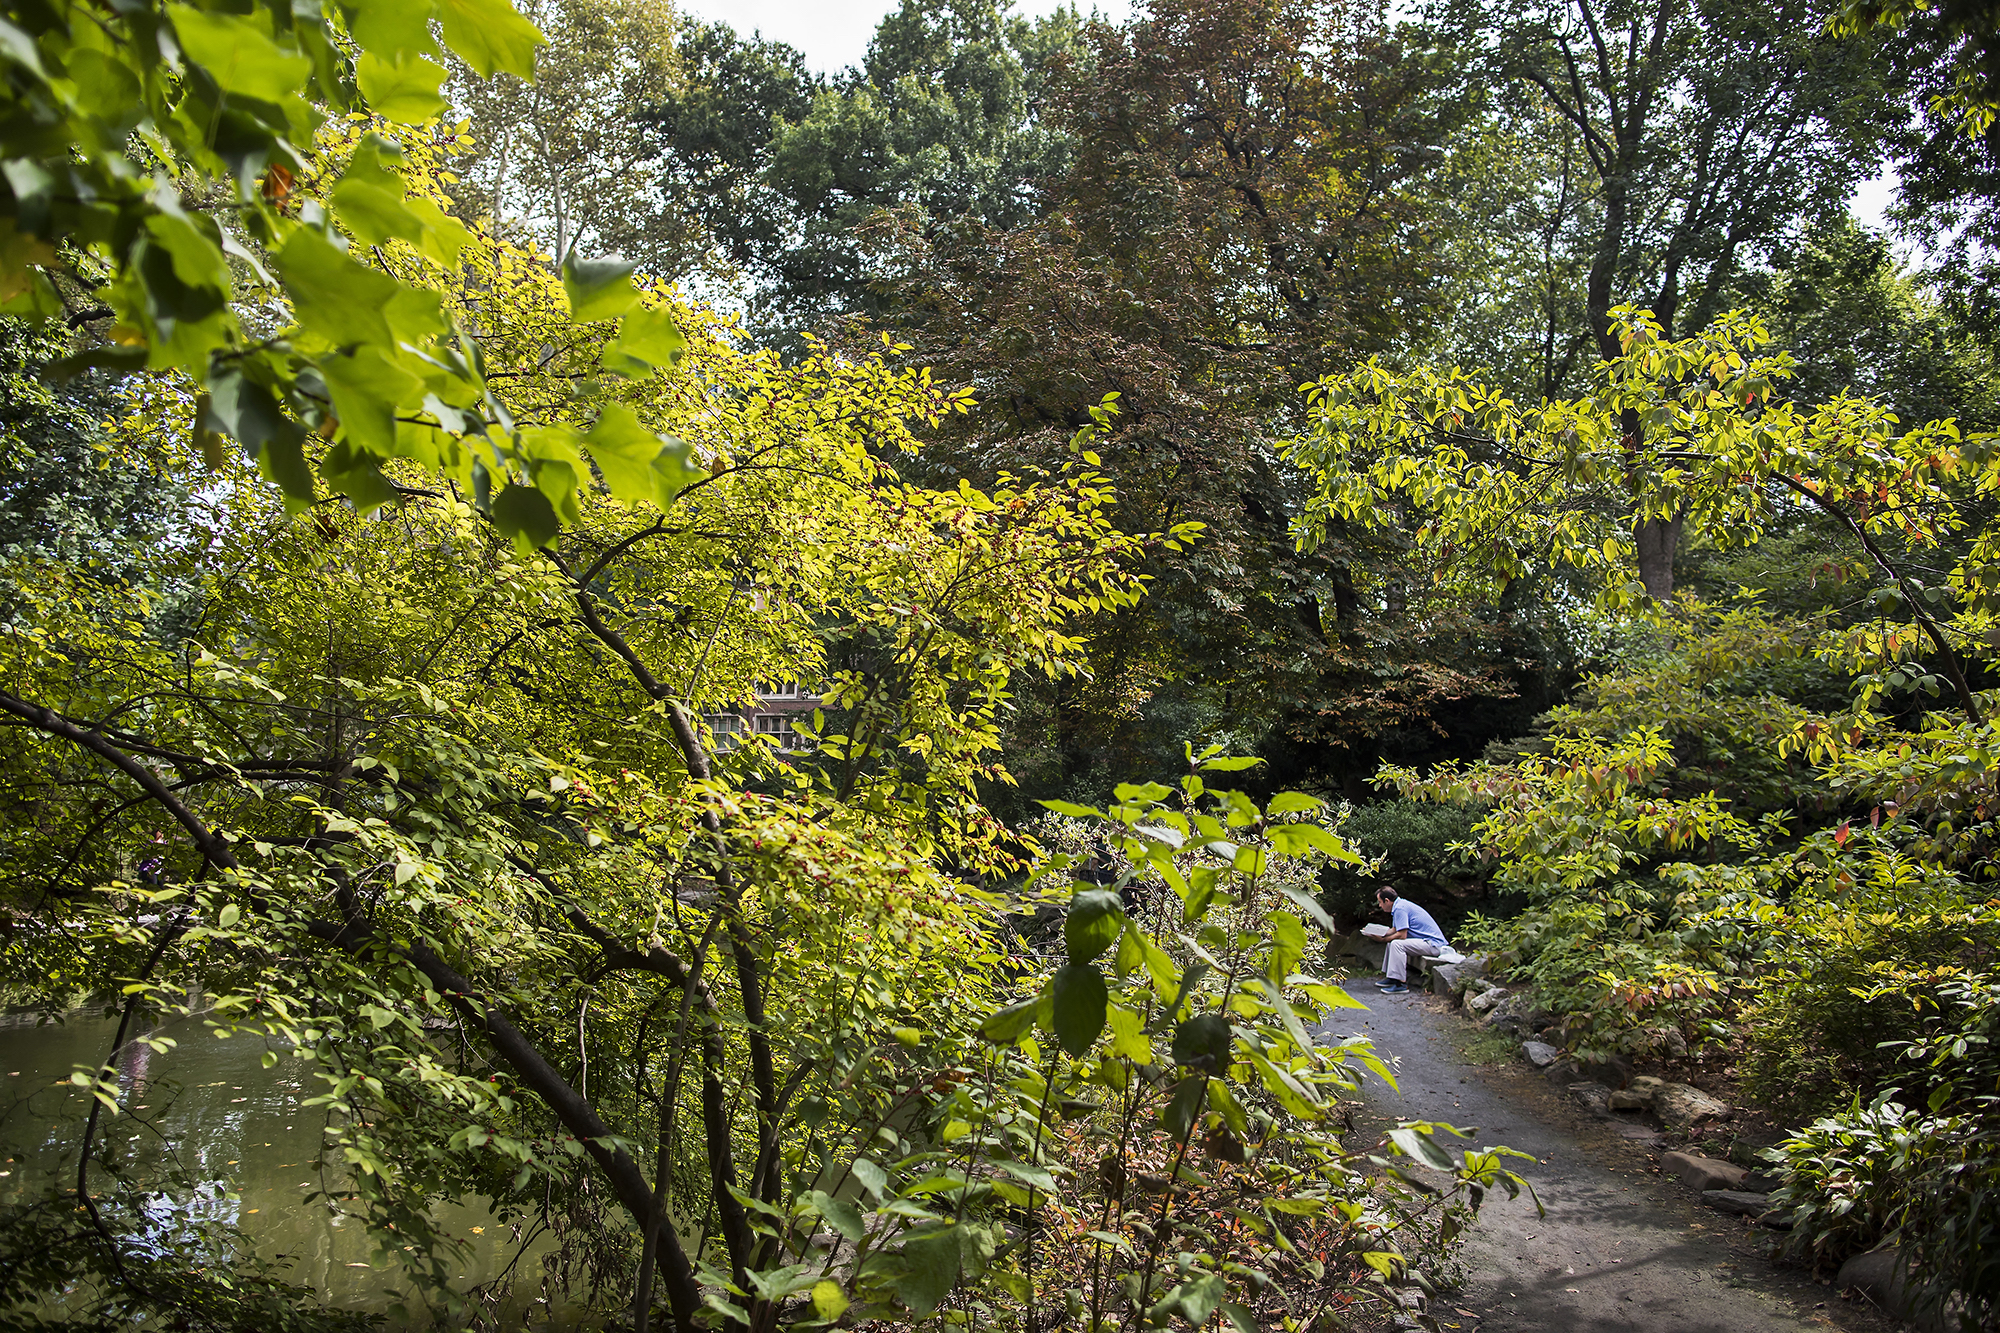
213	1106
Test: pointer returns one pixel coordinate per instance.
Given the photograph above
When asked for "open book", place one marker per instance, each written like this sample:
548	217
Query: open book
1376	932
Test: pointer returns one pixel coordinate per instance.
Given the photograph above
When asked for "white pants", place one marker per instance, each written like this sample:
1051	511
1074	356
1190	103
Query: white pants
1396	959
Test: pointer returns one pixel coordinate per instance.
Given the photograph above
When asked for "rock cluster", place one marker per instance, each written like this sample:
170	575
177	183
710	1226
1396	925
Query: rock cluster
1726	1186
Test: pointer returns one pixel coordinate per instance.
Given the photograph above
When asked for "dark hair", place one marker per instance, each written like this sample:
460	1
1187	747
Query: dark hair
1385	892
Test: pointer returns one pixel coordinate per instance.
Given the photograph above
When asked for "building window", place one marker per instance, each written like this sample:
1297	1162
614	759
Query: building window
778	726
727	728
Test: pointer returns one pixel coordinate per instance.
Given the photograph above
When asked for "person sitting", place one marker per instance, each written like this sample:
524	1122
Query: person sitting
1415	934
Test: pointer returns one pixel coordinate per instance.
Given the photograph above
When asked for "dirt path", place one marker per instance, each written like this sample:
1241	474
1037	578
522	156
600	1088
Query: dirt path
1622	1248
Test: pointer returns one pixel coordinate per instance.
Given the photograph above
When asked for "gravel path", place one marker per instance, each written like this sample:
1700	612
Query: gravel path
1622	1248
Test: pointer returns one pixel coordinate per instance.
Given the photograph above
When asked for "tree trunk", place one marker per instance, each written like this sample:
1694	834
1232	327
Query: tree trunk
1658	539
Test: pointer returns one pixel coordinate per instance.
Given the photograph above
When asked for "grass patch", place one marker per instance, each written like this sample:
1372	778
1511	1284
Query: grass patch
1483	1047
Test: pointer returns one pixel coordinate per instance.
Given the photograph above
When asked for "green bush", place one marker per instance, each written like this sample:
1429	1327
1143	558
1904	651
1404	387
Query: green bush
1925	1180
1410	843
1826	1031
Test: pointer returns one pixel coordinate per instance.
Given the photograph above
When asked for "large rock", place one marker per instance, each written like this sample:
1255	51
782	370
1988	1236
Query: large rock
1883	1276
1638	1094
1737	1201
1681	1107
1445	979
1473	968
1540	1054
1593	1097
1517	1015
1486	1000
1701	1173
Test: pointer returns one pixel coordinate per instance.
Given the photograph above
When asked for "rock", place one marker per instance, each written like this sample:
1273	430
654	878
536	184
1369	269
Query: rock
1761	1182
1540	1054
1737	1201
1473	968
1517	1015
1486	1000
1883	1276
1593	1097
1702	1173
1681	1107
1445	979
1637	1095
1564	1072
1615	1070
1637	1133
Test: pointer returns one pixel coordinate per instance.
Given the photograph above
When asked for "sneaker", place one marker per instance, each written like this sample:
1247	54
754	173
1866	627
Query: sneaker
1393	988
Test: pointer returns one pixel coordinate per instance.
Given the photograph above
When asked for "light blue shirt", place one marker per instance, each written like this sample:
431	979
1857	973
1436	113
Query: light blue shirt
1408	916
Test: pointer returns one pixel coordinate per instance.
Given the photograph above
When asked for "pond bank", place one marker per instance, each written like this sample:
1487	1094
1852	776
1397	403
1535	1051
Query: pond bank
1622	1249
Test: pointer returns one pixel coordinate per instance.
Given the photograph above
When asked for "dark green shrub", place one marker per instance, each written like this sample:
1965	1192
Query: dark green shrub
1412	841
1818	1033
1926	1180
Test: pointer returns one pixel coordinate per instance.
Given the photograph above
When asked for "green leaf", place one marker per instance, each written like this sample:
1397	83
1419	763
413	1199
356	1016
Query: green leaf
1203	1042
842	1216
444	235
1010	1024
1224	1103
931	1268
228	916
1417	1144
1128	1035
239	54
1073	810
1189	979
1308	904
1240	1318
403	89
1288	944
598	288
391	27
1229	765
332	296
779	1283
1095	918
239	407
829	1301
1131	953
366	388
375	214
648	340
358	476
1291	802
490	36
1199	1297
525	514
1030	1173
872	1177
197	256
1201	893
1297	839
637	464
1080	1000
1184	1107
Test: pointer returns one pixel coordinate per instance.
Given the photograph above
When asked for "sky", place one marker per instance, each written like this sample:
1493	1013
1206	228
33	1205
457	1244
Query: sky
834	33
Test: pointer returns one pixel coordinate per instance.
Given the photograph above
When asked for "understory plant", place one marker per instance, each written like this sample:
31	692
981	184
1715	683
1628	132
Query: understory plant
1920	1172
1176	1085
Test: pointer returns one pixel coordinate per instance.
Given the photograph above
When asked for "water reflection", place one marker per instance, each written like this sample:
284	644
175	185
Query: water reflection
207	1110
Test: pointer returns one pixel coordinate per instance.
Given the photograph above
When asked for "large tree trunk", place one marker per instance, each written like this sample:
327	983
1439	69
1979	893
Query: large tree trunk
1658	539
